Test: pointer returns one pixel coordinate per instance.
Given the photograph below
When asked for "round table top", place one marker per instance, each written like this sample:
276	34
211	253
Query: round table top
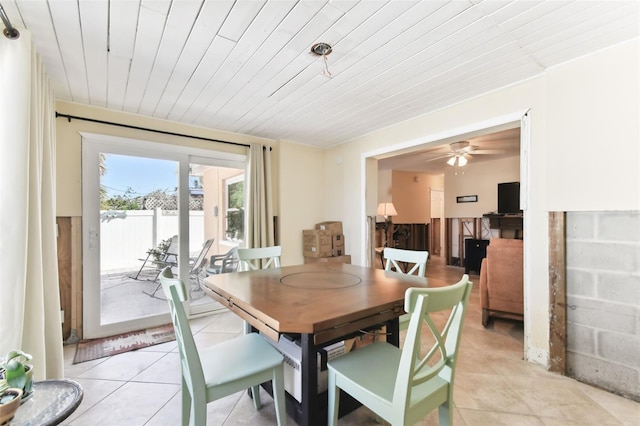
321	279
52	401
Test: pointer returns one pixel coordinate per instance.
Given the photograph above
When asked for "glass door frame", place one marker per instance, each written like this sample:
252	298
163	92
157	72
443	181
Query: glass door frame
92	145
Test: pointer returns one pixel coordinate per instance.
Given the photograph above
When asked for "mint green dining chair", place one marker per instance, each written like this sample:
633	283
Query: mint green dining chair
225	368
402	386
419	260
252	259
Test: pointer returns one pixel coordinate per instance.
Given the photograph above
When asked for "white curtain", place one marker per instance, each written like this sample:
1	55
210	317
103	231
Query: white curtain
29	291
259	201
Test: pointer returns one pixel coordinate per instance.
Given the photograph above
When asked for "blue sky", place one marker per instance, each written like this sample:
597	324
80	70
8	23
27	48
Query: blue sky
143	175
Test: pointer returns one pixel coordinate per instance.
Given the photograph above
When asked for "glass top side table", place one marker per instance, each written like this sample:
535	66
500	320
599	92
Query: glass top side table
51	402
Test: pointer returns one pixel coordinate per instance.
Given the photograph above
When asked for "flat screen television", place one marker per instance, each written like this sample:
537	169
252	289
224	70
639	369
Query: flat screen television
509	198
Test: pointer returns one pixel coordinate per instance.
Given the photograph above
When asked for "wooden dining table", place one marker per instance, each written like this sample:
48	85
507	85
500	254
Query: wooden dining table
323	303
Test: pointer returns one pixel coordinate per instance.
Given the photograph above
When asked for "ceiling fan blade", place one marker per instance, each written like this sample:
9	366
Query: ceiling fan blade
438	158
468	149
487	151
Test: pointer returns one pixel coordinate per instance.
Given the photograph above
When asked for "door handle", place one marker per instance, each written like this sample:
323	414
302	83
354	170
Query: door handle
93	238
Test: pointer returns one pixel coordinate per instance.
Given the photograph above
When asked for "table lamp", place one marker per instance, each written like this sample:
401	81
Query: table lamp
387	210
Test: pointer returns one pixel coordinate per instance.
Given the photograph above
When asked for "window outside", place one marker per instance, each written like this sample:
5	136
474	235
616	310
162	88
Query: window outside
235	208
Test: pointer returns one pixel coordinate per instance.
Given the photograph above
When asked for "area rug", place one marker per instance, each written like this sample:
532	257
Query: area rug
88	350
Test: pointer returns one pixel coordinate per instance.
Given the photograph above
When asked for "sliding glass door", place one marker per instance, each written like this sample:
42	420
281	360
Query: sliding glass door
147	206
213	228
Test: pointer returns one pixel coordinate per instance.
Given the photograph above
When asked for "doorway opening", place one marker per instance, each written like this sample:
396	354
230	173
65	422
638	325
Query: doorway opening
456	191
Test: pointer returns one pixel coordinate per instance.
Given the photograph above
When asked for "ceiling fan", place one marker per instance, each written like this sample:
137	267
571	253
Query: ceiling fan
460	153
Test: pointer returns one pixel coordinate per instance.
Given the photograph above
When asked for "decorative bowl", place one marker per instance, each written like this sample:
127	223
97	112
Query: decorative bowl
8	409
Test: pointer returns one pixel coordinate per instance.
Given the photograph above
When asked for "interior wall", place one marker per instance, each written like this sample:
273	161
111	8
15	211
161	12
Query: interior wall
412	196
481	179
594	132
603	275
302	190
384	186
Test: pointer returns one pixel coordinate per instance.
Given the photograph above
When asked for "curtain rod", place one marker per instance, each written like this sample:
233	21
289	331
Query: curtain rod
9	31
70	117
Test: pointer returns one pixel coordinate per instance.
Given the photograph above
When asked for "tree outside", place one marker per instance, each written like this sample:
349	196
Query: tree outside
235	211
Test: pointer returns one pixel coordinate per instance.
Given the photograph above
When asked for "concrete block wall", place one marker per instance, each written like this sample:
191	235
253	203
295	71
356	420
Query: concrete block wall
603	300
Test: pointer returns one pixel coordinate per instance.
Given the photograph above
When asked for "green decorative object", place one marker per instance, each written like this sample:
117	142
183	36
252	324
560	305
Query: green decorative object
16	373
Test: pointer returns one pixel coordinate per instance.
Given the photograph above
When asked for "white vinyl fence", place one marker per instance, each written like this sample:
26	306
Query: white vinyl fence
127	235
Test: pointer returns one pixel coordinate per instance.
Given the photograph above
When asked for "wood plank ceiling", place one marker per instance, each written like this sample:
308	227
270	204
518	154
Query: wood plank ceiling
245	66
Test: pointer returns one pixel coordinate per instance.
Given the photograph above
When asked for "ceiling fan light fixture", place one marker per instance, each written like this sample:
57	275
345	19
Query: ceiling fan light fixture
459	146
451	161
462	161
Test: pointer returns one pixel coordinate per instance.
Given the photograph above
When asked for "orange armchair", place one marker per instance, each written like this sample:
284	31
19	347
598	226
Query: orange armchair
501	278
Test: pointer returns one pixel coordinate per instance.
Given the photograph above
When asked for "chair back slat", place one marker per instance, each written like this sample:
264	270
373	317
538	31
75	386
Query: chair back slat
422	304
223	263
418	258
230	261
171	255
201	261
252	259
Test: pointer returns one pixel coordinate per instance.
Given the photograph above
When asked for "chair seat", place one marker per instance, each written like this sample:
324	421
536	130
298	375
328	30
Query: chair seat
237	358
214	270
374	367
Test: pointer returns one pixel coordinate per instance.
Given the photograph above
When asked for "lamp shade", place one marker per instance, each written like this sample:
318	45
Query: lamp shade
457	160
386	210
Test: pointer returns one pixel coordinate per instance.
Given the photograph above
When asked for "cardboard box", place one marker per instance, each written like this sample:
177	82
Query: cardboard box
292	364
378	335
337	245
316	243
336	252
335	227
341	259
337	241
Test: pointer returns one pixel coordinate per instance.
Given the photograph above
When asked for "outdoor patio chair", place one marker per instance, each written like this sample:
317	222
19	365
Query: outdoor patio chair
223	263
155	261
197	266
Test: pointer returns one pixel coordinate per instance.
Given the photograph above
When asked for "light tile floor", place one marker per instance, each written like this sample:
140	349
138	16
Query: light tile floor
494	385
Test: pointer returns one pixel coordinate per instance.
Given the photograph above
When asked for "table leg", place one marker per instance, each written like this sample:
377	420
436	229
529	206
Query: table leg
309	381
393	330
